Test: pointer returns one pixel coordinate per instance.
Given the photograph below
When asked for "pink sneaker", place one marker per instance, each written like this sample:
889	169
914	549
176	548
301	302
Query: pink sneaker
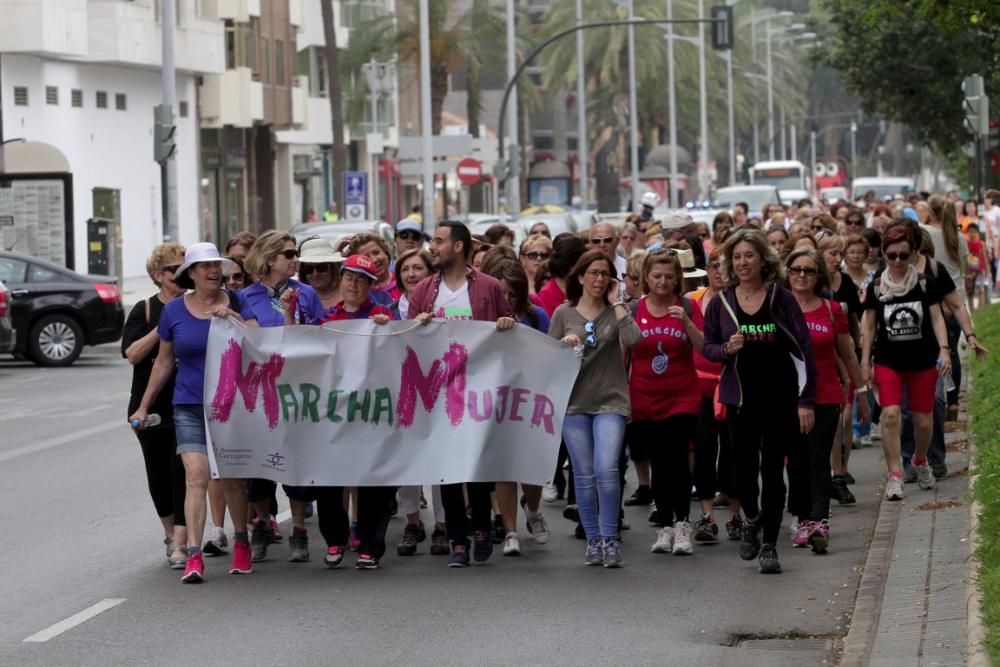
800	538
278	537
242	560
194	571
819	536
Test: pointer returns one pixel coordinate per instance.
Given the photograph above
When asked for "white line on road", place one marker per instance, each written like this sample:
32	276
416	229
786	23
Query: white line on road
74	620
61	440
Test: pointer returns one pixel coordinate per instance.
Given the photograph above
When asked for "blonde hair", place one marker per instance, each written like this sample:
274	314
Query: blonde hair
771	269
633	265
536	242
161	258
264	249
827	242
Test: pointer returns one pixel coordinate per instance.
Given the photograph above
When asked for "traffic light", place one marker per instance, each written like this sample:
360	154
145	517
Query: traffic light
722	27
977	106
164	133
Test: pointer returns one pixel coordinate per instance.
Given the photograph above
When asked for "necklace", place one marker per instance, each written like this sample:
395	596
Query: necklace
749	295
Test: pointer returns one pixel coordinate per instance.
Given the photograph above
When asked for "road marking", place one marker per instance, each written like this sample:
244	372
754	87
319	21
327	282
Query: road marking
61	440
74	620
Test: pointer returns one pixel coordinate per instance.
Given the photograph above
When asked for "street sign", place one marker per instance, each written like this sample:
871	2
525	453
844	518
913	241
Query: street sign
355	195
469	171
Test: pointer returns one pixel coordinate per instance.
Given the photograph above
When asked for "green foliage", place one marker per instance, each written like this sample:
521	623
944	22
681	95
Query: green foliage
986	427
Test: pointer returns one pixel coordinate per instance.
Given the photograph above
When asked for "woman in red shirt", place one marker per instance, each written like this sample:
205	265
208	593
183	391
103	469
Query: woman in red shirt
663	388
809	463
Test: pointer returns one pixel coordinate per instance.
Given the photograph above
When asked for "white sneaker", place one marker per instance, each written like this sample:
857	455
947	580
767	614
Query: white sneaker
511	545
664	541
925	478
865	441
894	488
549	492
876	432
538	528
217	545
682	538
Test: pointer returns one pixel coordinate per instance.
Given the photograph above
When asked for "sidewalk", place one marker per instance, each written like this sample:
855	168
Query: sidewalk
911	605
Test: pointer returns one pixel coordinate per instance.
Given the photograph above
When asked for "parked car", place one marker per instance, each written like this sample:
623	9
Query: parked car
755	196
334	232
831	195
55	311
8	337
478	223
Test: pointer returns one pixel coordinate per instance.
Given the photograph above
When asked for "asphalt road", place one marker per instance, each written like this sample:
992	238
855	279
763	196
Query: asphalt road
81	531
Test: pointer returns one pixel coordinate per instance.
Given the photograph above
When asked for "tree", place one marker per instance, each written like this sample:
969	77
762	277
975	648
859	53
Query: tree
335	94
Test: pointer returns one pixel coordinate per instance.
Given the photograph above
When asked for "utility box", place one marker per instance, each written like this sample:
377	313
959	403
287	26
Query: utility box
104	235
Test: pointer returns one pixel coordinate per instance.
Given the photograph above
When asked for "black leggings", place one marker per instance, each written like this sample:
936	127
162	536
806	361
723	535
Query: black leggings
761	438
668	442
334	524
164	471
455	519
809	467
713	454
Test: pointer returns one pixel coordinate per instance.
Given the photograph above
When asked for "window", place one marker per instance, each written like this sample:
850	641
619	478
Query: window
183	109
52	95
120	102
279	62
265	60
20	96
241	45
101	99
76	97
40	274
12	270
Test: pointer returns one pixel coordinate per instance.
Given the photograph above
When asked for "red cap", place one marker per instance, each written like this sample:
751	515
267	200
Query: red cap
360	264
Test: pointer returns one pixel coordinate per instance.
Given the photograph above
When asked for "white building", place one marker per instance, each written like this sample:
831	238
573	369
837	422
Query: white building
84	76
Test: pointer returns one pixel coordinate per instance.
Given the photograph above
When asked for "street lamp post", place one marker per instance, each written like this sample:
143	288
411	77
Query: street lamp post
672	107
426	146
582	156
770	81
514	184
633	111
703	185
854	150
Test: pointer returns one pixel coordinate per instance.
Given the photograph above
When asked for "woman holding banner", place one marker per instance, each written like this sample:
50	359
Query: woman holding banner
599	404
183	330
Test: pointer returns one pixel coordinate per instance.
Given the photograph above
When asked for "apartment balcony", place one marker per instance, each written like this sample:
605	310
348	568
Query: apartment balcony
231	98
237	10
300	101
44	27
311	26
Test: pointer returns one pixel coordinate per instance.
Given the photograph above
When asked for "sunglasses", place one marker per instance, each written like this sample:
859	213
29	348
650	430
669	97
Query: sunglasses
897	256
855	223
409	235
605	240
235	277
591	339
306	269
817	228
803	270
289	254
595	274
172	268
715	265
538	256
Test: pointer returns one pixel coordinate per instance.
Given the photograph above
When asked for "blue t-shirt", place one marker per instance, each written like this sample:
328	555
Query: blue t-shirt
189	336
541	317
257	304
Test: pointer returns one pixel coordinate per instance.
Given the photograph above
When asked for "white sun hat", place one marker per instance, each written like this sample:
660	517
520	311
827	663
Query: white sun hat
201	252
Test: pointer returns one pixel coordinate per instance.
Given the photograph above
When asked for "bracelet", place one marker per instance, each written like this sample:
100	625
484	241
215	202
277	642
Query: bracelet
861	390
945	348
618	303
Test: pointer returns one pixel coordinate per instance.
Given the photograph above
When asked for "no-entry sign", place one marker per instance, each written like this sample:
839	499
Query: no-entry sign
469	171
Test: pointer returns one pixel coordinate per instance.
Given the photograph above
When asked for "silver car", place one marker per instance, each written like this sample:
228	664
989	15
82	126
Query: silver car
8	336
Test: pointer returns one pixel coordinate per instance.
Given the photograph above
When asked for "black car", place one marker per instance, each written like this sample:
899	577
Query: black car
56	311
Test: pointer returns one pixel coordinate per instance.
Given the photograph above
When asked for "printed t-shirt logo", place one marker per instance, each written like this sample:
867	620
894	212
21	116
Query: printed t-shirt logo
903	321
759	333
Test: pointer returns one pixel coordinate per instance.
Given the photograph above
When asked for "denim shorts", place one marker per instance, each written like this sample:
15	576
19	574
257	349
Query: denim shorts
189	424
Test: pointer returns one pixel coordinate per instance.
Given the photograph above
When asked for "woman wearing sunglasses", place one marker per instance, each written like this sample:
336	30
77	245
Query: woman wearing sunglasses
594	425
905	344
319	267
535	251
236	277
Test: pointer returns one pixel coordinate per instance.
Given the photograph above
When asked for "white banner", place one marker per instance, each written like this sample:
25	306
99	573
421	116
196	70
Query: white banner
355	403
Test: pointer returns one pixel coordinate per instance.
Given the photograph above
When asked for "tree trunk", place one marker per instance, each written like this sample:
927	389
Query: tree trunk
472	107
607	175
339	150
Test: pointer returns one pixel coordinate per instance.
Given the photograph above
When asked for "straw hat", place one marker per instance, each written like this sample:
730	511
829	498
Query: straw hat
318	251
686	258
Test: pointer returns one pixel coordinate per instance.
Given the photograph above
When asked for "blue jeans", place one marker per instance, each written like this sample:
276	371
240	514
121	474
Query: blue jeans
594	443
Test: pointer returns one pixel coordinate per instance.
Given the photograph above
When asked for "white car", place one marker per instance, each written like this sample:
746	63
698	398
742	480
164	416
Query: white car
334	232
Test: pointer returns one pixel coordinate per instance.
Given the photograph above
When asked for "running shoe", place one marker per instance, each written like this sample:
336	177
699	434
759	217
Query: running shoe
499	532
769	563
178	559
459	556
925	476
801	533
595	552
654	515
819	537
940	470
261	537
217	545
664	543
194	570
876	431
242	559
550	493
894	488
278	536
482	545
412	536
538	528
706	530
439	543
840	491
572	513
612	552
298	546
642	496
734	527
909	474
682	538
750	542
366	562
864	441
849	478
511	545
334	556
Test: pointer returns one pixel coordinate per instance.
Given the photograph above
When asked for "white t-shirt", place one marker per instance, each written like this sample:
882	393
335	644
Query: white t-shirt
404	306
453	305
992	218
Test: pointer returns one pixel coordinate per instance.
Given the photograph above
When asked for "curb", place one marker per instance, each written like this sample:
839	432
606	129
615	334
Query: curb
975	630
871	589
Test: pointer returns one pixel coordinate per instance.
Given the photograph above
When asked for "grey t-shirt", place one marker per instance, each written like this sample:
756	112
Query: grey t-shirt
601	385
955	270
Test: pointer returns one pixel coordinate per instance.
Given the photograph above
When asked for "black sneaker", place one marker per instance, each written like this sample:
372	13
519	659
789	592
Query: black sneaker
483	546
750	542
841	493
580	533
439	543
366	562
706	530
849	478
459	556
572	513
260	538
654	517
412	536
642	496
769	560
940	470
499	532
734	527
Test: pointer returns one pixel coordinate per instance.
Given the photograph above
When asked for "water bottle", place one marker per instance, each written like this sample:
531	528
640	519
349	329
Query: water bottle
149	422
949	383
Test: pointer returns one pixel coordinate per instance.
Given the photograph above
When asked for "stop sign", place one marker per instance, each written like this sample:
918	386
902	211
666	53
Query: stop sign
469	171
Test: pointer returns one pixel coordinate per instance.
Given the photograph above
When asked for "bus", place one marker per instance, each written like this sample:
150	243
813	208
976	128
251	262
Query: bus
791	177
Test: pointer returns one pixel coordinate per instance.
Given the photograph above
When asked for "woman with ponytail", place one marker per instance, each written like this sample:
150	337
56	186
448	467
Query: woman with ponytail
950	247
